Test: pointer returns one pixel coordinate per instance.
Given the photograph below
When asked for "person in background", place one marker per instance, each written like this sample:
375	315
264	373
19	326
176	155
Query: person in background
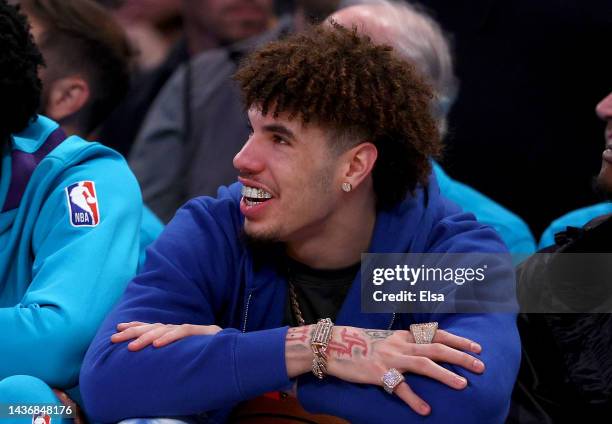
86	74
207	25
582	216
153	27
521	129
87	62
69	217
566	370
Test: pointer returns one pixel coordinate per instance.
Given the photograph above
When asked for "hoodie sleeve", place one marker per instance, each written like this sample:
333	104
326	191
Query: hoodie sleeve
181	283
486	399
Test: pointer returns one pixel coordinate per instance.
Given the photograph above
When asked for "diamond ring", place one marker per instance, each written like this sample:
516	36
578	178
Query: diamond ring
423	333
391	379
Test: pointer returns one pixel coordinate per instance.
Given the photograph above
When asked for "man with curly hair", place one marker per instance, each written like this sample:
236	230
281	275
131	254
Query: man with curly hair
69	218
244	289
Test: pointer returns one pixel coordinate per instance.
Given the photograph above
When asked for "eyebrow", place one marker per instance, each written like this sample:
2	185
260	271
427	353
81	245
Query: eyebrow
280	129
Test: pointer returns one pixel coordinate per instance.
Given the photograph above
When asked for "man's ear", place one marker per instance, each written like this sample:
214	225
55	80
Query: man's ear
67	96
359	163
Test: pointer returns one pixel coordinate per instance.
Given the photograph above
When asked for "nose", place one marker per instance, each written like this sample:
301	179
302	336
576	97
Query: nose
604	108
249	159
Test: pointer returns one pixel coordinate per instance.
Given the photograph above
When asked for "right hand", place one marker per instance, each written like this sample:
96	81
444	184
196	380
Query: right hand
158	335
363	356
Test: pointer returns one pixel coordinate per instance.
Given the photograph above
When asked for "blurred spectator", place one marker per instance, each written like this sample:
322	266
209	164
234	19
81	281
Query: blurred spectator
86	75
530	71
86	55
566	370
603	186
208	24
418	39
69	215
152	26
197	124
211	24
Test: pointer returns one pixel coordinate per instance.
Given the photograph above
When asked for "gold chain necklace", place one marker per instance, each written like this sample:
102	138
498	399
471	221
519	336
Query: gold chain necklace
295	305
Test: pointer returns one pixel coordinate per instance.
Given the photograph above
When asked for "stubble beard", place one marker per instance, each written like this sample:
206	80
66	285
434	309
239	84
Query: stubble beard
262	246
265	238
602	187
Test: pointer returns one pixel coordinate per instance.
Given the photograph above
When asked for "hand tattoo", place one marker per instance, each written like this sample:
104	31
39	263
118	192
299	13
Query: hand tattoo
378	334
298	334
347	342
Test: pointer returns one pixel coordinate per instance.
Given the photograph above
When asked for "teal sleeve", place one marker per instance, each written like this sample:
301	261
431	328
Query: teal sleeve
548	236
26	390
78	274
577	218
514	232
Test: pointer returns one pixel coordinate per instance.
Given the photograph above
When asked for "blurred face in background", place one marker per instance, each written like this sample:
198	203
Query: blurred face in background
604	111
155	12
230	21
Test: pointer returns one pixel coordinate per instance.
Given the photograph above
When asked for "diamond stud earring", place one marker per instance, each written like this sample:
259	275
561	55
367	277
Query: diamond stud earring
346	187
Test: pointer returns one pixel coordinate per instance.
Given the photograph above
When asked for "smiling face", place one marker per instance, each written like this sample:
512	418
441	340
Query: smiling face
604	111
291	179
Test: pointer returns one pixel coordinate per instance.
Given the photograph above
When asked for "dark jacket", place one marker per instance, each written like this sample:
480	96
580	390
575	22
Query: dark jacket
566	369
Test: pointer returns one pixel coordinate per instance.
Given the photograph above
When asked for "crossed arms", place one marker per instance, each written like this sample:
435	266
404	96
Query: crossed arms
354	355
188	369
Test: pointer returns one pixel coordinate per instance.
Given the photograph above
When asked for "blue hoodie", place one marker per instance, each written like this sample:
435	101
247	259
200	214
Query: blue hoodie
200	272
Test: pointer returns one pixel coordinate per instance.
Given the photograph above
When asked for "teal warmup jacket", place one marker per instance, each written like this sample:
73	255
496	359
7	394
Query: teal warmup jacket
513	231
199	271
577	218
61	268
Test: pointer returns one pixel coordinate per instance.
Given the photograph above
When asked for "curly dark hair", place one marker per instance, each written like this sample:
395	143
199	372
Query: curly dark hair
20	86
339	79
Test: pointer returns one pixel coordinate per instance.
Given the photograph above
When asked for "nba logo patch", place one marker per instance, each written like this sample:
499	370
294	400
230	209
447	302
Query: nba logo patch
83	204
41	419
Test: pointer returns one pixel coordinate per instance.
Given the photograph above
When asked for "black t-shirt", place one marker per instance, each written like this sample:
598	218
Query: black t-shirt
320	293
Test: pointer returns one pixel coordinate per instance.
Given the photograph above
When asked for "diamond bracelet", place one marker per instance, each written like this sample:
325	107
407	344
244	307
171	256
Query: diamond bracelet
320	340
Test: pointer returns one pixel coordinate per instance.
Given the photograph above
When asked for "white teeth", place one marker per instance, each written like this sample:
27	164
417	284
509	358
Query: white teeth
255	193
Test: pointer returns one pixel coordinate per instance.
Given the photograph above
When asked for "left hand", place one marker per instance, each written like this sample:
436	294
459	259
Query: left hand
158	334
